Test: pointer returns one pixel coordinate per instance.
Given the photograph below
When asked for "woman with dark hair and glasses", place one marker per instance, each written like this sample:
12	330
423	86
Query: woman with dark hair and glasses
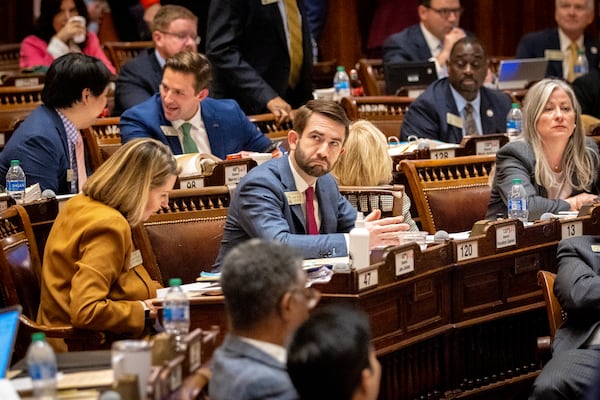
57	33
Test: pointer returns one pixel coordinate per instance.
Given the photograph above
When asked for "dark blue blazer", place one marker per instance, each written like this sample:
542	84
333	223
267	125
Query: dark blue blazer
138	80
533	45
260	208
407	45
427	115
40	143
227	127
247	47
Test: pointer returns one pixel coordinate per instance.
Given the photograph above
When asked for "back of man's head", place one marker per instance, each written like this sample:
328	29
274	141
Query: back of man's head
191	62
169	13
255	275
69	74
332	346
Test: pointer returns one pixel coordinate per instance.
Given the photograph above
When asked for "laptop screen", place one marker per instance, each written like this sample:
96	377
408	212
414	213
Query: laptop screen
518	73
405	75
9	322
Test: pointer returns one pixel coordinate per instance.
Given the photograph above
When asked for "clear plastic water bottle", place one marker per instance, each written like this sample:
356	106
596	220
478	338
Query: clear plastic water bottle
514	121
41	363
341	83
15	181
176	316
581	66
517	201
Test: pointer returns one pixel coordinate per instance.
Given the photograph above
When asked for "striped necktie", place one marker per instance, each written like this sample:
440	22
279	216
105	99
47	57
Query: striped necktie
189	146
294	25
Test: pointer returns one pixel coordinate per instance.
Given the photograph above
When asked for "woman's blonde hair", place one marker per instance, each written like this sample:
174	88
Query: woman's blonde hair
579	159
365	161
126	178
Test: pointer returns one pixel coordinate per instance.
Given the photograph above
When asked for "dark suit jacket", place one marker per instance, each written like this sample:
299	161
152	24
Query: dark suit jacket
587	90
427	115
246	44
533	45
260	208
227	127
40	143
407	45
137	81
577	288
516	160
241	371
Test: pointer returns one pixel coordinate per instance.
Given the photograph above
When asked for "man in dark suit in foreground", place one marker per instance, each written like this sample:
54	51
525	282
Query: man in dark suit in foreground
185	118
442	111
572	17
267	299
576	344
295	200
173	30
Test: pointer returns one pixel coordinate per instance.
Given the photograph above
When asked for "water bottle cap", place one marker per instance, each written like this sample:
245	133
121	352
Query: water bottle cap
516	181
38	337
340	68
175	282
515	105
14	162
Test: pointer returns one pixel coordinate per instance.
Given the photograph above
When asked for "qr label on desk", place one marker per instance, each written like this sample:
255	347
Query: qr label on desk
405	262
191	183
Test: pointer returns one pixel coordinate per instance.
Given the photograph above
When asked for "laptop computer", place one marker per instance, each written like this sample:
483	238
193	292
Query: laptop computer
407	75
9	323
518	73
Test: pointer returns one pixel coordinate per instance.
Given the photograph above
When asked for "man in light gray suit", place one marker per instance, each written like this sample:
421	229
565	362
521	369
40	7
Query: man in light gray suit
271	201
576	344
267	299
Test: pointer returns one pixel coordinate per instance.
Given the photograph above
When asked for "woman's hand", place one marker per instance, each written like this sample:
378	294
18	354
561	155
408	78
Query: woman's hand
152	307
70	30
582	198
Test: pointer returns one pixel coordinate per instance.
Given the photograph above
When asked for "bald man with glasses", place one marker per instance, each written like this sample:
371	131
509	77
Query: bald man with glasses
429	40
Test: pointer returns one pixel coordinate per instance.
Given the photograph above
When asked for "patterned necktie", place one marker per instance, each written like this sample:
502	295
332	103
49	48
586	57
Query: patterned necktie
311	222
470	126
80	159
189	146
572	61
294	25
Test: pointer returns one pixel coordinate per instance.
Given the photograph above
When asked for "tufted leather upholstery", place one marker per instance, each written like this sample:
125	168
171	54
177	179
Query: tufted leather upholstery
184	239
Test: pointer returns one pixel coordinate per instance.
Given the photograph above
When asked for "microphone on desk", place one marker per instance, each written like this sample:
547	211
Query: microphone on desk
440	236
48	194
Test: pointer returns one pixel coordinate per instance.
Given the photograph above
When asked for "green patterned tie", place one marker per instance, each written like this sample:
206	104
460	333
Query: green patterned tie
188	144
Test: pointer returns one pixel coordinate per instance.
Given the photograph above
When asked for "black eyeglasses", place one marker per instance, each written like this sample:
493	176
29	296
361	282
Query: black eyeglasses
445	12
183	36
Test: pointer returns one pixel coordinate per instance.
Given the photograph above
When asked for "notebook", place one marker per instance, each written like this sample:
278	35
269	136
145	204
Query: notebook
518	73
9	323
409	74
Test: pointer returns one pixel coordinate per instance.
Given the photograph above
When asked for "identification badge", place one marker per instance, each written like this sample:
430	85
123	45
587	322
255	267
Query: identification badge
136	259
70	175
294	198
267	2
454	120
168	130
553	55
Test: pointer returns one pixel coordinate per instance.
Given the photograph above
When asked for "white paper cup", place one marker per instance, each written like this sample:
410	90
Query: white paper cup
324	94
78	38
132	357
